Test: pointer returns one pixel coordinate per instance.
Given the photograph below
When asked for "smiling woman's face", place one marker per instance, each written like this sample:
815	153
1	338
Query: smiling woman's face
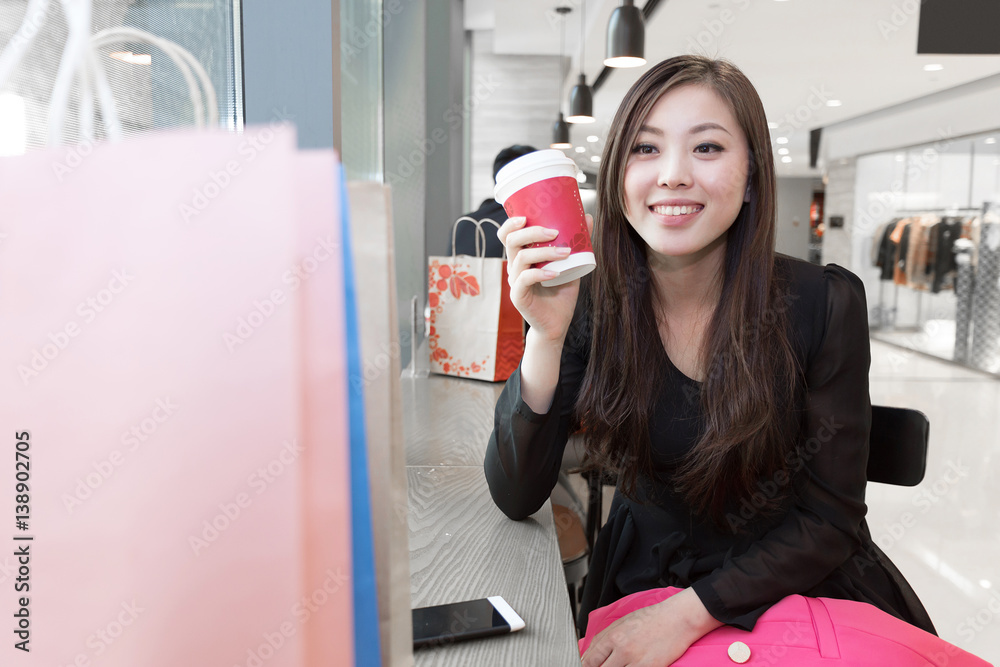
686	175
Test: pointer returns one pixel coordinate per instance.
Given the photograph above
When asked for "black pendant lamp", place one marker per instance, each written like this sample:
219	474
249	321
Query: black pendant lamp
626	37
560	131
581	98
560	134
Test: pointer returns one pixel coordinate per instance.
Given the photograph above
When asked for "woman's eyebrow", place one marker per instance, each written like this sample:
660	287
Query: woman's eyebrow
708	126
701	127
704	127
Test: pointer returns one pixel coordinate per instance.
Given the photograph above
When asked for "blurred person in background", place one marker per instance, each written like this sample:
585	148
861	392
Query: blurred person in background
465	237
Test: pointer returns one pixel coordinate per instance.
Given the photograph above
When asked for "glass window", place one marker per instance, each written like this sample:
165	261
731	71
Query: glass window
149	90
986	170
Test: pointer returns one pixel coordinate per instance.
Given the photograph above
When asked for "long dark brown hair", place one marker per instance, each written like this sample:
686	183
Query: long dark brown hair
749	396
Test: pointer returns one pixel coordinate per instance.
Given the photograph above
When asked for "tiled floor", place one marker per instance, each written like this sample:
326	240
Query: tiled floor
944	534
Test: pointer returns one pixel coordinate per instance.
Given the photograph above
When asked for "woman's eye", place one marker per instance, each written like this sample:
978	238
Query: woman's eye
644	149
707	148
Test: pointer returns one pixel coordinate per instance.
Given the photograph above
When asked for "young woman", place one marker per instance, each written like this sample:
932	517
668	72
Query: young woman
726	385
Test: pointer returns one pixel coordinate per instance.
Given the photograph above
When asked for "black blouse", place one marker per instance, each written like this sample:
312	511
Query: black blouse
818	544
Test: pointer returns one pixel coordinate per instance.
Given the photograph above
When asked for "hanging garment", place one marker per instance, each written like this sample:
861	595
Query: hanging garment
964	282
917	251
876	247
902	237
887	250
985	351
941	259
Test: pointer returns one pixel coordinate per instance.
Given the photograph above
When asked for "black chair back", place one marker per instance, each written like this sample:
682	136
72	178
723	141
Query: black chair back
897	451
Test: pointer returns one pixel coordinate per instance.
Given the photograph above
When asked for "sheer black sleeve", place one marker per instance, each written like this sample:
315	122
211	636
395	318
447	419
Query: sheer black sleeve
823	528
526	448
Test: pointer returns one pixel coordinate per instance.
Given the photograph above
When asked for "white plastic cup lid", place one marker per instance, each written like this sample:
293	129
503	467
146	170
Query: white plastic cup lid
524	165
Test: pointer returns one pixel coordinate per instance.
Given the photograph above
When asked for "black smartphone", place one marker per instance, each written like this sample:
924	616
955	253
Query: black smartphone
459	621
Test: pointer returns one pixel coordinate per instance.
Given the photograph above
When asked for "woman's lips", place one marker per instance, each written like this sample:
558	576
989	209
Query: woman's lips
676	215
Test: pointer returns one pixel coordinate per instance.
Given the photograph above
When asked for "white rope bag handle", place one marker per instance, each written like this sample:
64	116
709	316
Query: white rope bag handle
480	239
81	57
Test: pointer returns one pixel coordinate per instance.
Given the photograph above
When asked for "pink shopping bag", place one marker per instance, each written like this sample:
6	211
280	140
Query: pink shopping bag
801	631
155	380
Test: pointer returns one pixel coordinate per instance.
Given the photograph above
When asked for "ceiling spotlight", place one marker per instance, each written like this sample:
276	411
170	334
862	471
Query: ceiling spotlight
782	140
933	67
833	103
580	149
132	58
771	125
592	138
581	177
595	158
786	159
990	140
782	151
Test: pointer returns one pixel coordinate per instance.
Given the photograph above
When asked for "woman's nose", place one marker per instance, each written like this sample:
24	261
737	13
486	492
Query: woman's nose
675	172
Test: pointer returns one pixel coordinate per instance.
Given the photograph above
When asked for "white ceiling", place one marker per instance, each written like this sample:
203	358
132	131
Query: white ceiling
862	52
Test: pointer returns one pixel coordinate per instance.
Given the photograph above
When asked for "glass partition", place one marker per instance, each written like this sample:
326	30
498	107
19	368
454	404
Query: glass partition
926	229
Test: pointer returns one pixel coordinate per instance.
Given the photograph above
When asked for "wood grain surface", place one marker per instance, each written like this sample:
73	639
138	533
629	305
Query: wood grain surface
462	547
447	420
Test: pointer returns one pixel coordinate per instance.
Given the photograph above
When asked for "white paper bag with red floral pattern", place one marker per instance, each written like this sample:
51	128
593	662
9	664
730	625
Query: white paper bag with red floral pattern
476	332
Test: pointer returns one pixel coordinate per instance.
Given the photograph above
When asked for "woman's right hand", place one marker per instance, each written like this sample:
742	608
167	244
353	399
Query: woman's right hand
547	310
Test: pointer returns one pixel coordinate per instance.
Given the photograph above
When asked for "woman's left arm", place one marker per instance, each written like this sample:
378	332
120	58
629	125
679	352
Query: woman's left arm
823	528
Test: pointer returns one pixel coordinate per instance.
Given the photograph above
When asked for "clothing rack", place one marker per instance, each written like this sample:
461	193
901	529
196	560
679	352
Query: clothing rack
885	321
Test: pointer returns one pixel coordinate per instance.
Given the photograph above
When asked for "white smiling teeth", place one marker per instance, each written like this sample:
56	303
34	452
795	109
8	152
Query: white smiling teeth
676	210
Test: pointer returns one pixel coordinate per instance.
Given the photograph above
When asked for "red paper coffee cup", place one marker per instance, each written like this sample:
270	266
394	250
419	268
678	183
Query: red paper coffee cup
542	187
